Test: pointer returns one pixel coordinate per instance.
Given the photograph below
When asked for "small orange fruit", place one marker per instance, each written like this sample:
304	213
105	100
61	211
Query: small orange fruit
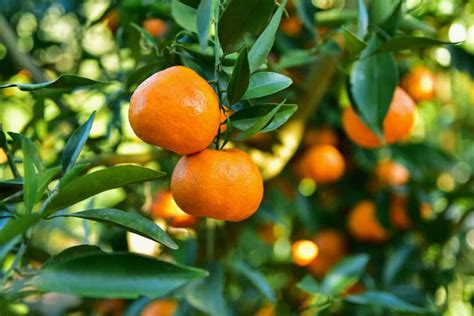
396	126
419	83
398	213
303	252
221	184
111	307
291	26
363	223
175	109
267	310
165	207
323	164
322	136
392	173
156	27
160	307
332	248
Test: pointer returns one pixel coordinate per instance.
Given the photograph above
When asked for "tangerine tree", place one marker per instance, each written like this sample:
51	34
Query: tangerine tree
236	157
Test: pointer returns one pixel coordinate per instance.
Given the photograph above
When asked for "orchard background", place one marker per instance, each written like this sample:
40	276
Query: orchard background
367	209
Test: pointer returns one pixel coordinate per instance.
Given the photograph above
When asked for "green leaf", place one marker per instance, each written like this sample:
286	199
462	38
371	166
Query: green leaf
63	82
264	43
18	139
129	221
305	10
30	181
400	43
345	274
44	178
256	278
92	273
239	81
206	295
384	300
72	174
308	284
382	10
266	83
203	17
396	262
17	226
184	15
99	181
241	18
146	36
363	20
373	82
251	116
297	57
259	123
353	43
75	143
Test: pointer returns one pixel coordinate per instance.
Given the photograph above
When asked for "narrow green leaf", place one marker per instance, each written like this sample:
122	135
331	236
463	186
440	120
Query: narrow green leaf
354	44
18	139
75	143
381	10
308	284
240	19
146	36
266	83
239	81
256	278
295	58
373	81
129	221
44	178
72	174
30	181
248	117
400	43
64	82
260	123
17	226
363	20
345	274
99	181
384	300
92	273
396	261
203	17
264	43
184	15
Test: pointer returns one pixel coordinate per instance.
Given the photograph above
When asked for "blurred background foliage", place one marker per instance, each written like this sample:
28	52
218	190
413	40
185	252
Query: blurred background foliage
428	262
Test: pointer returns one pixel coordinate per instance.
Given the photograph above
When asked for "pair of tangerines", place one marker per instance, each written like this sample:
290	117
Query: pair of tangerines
179	111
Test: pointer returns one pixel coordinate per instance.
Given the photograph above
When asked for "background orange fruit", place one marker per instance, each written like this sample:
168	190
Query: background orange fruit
175	109
419	83
396	126
303	252
332	248
363	223
160	308
156	27
322	136
398	213
166	208
322	163
221	184
391	172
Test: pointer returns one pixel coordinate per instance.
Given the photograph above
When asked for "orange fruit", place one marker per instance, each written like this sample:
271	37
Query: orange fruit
332	248
160	308
396	126
156	27
392	173
291	26
323	164
426	210
398	213
111	307
265	311
323	136
303	252
112	20
363	223
165	207
221	184
175	109
419	83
